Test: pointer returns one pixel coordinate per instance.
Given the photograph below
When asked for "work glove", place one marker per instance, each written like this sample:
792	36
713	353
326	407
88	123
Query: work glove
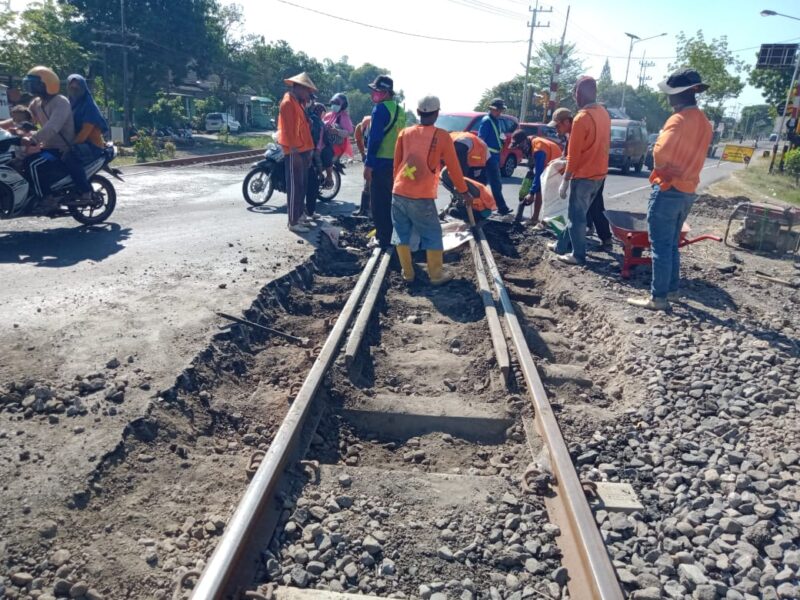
563	189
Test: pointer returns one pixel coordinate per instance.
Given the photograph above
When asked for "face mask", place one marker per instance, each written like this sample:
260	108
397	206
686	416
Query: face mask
335	108
378	96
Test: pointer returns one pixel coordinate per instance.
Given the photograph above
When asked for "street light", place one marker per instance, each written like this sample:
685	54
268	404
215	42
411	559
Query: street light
635	39
772	13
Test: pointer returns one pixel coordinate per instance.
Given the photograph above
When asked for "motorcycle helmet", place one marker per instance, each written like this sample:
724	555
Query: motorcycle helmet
41	81
341	99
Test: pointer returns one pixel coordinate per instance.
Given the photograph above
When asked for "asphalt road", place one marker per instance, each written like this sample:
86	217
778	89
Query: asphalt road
147	284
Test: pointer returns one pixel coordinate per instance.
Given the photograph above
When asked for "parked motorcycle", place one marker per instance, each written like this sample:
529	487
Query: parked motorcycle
268	176
18	199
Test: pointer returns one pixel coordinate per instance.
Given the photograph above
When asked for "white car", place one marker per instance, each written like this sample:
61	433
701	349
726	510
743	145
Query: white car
215	122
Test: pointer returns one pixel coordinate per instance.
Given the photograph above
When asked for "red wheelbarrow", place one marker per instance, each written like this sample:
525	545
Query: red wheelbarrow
631	229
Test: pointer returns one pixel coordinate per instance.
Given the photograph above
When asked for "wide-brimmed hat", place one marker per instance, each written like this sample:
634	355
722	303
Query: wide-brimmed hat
498	103
301	79
382	83
682	80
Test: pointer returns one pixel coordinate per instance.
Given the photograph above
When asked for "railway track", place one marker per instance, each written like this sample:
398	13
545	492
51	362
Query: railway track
225	159
419	456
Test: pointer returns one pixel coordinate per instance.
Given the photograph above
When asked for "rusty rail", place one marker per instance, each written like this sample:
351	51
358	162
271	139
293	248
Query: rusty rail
214	579
591	573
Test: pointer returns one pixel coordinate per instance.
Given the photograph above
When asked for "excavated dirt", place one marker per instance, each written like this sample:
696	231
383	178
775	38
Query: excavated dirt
156	504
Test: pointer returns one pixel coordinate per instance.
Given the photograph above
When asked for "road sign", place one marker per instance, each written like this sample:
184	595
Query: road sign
776	56
739	154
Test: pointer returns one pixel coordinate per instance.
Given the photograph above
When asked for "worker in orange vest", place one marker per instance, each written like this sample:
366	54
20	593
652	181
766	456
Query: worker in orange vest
482	200
418	157
472	154
361	134
540	152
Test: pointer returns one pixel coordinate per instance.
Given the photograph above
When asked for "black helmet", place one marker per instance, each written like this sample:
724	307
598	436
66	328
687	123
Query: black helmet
340	99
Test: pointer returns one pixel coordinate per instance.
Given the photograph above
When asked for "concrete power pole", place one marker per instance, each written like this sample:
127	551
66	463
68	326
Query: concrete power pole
523	109
643	66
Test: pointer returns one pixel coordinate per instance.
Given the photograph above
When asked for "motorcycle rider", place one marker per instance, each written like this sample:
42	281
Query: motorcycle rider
90	127
338	129
53	113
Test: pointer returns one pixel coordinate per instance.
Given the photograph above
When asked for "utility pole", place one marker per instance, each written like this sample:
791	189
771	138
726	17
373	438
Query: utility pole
551	105
126	108
523	110
643	66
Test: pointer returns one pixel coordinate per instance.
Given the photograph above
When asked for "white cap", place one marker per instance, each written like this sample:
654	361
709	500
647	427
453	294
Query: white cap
428	104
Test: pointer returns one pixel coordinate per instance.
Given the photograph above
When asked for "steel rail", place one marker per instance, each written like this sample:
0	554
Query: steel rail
495	328
360	325
595	573
213	581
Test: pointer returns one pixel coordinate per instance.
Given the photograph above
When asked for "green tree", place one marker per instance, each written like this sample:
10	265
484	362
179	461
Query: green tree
411	118
605	76
641	104
361	77
774	85
756	119
167	111
542	66
716	64
360	105
42	34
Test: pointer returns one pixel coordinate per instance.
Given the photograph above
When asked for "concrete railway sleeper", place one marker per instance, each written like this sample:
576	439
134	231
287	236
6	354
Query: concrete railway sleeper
418	474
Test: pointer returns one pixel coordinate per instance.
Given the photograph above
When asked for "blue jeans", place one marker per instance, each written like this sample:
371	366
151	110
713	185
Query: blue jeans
666	214
581	194
495	179
416	214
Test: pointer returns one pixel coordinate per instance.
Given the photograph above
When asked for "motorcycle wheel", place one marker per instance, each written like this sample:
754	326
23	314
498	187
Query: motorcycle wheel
326	195
97	213
257	187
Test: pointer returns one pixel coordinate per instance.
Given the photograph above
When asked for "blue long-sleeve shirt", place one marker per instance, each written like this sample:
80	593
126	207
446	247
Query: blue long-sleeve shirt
538	169
486	131
380	122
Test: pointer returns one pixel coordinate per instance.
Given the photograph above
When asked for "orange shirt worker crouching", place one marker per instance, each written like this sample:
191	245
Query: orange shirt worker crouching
418	157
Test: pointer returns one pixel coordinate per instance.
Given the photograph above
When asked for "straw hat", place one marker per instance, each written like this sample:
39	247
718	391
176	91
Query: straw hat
301	79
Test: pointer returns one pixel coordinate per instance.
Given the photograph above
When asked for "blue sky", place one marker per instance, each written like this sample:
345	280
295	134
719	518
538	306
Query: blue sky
459	73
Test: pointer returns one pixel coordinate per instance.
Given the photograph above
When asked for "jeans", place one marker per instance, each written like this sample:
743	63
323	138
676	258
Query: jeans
496	182
581	194
597	215
410	214
666	214
380	193
76	160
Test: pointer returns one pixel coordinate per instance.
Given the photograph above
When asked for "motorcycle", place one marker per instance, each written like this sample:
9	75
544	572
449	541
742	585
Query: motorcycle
18	199
268	176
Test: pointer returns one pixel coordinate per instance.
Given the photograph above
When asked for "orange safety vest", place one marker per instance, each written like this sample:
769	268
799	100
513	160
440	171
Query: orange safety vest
484	200
551	150
419	152
478	152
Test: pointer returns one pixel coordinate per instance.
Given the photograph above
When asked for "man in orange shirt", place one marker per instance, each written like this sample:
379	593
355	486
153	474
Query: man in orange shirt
418	156
294	135
587	166
678	156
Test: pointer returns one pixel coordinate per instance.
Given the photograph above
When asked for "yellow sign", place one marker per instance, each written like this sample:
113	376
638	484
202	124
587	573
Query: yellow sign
739	154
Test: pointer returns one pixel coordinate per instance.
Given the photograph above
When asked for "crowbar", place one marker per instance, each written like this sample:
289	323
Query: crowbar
304	342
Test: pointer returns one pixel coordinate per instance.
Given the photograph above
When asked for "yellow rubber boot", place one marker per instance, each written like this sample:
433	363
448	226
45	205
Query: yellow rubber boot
406	264
436	271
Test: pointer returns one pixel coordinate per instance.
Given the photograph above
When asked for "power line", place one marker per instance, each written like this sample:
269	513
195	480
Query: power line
406	33
488	9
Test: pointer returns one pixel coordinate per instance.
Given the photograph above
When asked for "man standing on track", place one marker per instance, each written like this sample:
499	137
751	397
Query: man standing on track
678	156
294	135
388	119
587	166
489	132
418	158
